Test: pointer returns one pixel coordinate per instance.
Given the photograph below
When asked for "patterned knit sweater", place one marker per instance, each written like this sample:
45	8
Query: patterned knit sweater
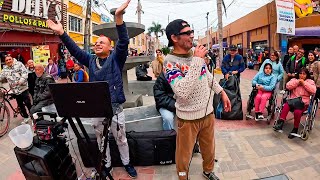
191	83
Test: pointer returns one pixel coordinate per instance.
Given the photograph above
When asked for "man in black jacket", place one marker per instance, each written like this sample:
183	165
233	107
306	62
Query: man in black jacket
31	76
42	96
165	103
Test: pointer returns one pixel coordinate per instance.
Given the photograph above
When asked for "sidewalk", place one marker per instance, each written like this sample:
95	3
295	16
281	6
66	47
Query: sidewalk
245	150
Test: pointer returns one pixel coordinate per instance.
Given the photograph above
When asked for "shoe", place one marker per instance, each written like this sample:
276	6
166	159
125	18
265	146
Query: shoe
210	176
293	133
131	171
261	117
106	172
279	125
257	116
25	121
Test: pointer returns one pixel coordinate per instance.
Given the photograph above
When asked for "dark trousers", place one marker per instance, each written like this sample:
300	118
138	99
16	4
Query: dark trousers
23	100
70	74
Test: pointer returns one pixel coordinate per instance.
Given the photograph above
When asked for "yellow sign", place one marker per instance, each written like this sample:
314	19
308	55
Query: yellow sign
24	21
41	54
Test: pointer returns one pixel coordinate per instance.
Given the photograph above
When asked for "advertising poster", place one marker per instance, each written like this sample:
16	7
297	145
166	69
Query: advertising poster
285	17
41	54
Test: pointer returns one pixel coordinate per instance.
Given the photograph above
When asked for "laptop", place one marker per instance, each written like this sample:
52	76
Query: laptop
86	100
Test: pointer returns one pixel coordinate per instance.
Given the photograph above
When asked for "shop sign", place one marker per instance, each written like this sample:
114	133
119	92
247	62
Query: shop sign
41	54
31	12
285	17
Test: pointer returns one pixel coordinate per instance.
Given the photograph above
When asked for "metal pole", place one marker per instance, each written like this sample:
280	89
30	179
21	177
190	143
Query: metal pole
87	28
208	34
220	36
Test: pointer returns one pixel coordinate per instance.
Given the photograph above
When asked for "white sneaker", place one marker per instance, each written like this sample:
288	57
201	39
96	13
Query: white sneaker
260	117
25	121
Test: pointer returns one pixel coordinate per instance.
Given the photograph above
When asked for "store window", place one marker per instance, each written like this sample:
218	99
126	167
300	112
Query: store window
75	24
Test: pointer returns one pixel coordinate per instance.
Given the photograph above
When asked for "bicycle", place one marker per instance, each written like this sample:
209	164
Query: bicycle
5	99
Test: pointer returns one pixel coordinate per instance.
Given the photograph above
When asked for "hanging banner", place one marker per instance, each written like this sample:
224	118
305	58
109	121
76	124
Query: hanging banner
285	17
41	54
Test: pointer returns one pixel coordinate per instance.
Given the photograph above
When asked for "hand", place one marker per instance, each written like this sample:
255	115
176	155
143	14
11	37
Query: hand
226	102
56	27
301	82
226	76
234	72
260	87
200	51
120	10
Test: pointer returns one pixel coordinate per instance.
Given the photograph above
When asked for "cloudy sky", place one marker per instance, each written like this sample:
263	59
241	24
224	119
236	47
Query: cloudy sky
193	11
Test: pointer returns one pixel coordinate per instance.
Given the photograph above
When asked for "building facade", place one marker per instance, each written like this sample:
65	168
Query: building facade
24	31
258	30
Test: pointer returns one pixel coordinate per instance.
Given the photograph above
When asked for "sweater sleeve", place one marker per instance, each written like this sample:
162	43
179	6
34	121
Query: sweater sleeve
255	78
281	72
215	86
121	49
80	76
24	73
293	83
182	85
310	86
82	56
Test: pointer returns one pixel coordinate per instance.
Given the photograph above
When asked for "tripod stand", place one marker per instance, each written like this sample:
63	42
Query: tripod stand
73	100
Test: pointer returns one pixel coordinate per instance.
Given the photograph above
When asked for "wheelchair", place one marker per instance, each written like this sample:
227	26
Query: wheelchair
310	115
270	108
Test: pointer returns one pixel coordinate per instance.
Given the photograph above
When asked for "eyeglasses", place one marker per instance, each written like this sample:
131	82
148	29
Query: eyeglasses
186	33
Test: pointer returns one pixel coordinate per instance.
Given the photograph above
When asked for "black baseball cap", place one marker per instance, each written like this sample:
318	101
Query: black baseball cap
174	28
233	47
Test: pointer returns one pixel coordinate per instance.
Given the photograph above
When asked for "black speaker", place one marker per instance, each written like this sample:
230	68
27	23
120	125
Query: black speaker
46	162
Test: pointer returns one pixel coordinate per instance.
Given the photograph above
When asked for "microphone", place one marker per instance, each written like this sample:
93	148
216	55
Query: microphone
195	44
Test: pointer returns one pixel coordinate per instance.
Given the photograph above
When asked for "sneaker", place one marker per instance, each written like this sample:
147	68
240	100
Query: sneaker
293	133
210	176
25	121
279	125
257	116
106	172
131	171
261	117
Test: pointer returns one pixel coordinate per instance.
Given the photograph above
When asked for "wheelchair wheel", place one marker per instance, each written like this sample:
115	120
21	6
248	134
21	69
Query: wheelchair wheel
304	134
313	114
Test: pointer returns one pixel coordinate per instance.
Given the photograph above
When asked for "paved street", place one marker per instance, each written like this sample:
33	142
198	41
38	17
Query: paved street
245	149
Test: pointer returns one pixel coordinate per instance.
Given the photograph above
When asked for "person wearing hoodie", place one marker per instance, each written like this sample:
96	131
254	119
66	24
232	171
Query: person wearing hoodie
265	83
277	68
303	87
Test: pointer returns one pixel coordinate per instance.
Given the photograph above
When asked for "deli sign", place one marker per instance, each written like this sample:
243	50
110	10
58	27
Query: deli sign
31	12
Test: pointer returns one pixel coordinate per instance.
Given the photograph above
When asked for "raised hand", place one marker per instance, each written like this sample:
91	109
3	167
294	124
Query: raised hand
121	9
200	51
56	27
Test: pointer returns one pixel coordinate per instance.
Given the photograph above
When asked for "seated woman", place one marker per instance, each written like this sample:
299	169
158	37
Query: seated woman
303	87
265	82
80	75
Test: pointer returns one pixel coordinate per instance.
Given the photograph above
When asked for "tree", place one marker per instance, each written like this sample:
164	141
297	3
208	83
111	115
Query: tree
156	28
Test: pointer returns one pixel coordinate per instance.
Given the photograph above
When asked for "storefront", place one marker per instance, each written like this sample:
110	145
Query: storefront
23	29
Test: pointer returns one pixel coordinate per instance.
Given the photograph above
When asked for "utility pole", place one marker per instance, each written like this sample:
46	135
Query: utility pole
87	28
168	19
220	37
139	10
208	34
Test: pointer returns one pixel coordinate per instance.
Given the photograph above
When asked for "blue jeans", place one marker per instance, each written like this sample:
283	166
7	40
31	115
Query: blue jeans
167	119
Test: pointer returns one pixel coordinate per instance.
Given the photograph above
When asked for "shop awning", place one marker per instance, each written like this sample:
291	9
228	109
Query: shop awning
15	45
308	31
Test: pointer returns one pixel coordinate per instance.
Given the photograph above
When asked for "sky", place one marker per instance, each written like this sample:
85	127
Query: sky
192	11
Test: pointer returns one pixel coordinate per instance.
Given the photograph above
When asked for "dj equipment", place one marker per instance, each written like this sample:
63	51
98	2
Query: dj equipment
50	161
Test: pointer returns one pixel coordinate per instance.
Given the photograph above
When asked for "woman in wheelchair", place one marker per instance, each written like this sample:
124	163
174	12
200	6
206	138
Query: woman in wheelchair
264	82
298	101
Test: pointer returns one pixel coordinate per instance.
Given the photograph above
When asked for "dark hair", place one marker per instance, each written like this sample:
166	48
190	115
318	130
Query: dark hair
267	64
312	52
276	54
305	70
79	64
159	50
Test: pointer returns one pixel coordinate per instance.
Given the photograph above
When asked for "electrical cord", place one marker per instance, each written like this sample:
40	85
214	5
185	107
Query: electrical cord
76	154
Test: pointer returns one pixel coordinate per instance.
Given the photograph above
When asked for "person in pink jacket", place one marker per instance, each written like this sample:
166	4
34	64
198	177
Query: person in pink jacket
303	87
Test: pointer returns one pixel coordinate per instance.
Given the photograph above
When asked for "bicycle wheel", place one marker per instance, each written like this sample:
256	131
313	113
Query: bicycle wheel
4	120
